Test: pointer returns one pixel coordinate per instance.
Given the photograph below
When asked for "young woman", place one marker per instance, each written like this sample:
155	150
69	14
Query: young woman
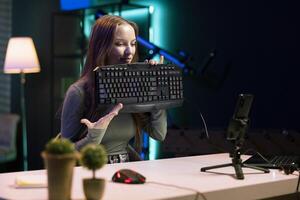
113	41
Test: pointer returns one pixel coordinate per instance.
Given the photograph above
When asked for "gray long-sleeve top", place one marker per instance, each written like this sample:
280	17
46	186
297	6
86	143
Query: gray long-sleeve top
120	130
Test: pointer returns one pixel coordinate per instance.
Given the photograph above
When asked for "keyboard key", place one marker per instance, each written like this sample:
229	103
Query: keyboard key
172	96
103	96
127	100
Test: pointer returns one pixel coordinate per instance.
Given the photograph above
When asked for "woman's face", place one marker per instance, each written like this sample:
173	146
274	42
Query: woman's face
124	45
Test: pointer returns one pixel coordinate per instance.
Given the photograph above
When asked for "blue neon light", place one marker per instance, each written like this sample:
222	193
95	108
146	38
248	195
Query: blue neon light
162	52
145	139
74	4
182	53
145	43
145	143
171	58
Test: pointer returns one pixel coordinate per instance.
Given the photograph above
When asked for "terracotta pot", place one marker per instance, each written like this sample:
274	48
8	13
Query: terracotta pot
60	174
93	188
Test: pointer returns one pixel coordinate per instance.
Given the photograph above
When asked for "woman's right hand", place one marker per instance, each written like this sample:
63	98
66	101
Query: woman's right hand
103	122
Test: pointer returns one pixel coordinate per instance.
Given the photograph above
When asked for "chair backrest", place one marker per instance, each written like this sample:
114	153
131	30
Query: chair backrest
8	130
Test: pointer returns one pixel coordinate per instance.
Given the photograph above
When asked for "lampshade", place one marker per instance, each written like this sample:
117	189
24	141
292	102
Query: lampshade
21	56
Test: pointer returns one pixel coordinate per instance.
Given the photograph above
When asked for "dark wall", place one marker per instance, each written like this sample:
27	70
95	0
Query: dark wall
33	18
256	45
261	39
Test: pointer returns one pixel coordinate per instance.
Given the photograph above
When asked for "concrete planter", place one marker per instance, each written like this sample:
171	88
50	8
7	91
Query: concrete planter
93	188
60	174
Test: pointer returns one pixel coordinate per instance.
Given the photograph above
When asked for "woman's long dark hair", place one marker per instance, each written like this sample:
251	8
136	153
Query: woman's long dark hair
100	45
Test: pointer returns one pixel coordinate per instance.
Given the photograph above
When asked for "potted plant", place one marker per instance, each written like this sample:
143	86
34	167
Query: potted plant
93	157
59	158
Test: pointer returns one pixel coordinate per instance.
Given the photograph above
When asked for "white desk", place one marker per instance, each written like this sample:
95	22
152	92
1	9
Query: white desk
178	172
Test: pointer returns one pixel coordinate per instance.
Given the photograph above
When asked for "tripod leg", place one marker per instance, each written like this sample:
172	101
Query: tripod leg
257	168
203	169
237	164
238	171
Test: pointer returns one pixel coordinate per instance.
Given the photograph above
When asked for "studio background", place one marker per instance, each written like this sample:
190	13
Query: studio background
256	46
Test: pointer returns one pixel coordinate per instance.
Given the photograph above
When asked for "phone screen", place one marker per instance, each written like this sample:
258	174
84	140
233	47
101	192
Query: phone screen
243	106
238	124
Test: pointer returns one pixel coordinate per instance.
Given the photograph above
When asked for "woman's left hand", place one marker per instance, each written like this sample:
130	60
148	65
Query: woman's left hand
153	62
103	122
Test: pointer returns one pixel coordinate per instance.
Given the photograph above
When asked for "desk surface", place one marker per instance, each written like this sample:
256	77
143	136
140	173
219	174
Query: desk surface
176	178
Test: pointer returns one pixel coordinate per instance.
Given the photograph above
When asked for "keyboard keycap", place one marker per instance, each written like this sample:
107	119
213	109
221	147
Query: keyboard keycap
129	100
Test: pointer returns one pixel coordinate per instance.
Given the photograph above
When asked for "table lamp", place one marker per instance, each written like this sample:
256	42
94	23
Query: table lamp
21	58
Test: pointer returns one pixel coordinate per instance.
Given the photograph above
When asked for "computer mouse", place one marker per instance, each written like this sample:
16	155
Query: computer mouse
128	176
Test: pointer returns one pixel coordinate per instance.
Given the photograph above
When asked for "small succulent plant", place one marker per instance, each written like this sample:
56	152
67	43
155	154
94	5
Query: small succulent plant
93	157
59	146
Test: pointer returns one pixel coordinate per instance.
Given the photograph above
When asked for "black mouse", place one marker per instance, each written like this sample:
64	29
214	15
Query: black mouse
128	176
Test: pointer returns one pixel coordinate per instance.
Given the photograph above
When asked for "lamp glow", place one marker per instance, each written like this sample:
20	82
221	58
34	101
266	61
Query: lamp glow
21	58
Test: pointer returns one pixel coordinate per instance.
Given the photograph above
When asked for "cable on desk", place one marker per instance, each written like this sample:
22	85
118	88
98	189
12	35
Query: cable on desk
179	187
198	112
202	118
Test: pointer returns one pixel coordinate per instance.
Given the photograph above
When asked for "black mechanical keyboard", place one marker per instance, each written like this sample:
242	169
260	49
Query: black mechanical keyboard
140	87
273	161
